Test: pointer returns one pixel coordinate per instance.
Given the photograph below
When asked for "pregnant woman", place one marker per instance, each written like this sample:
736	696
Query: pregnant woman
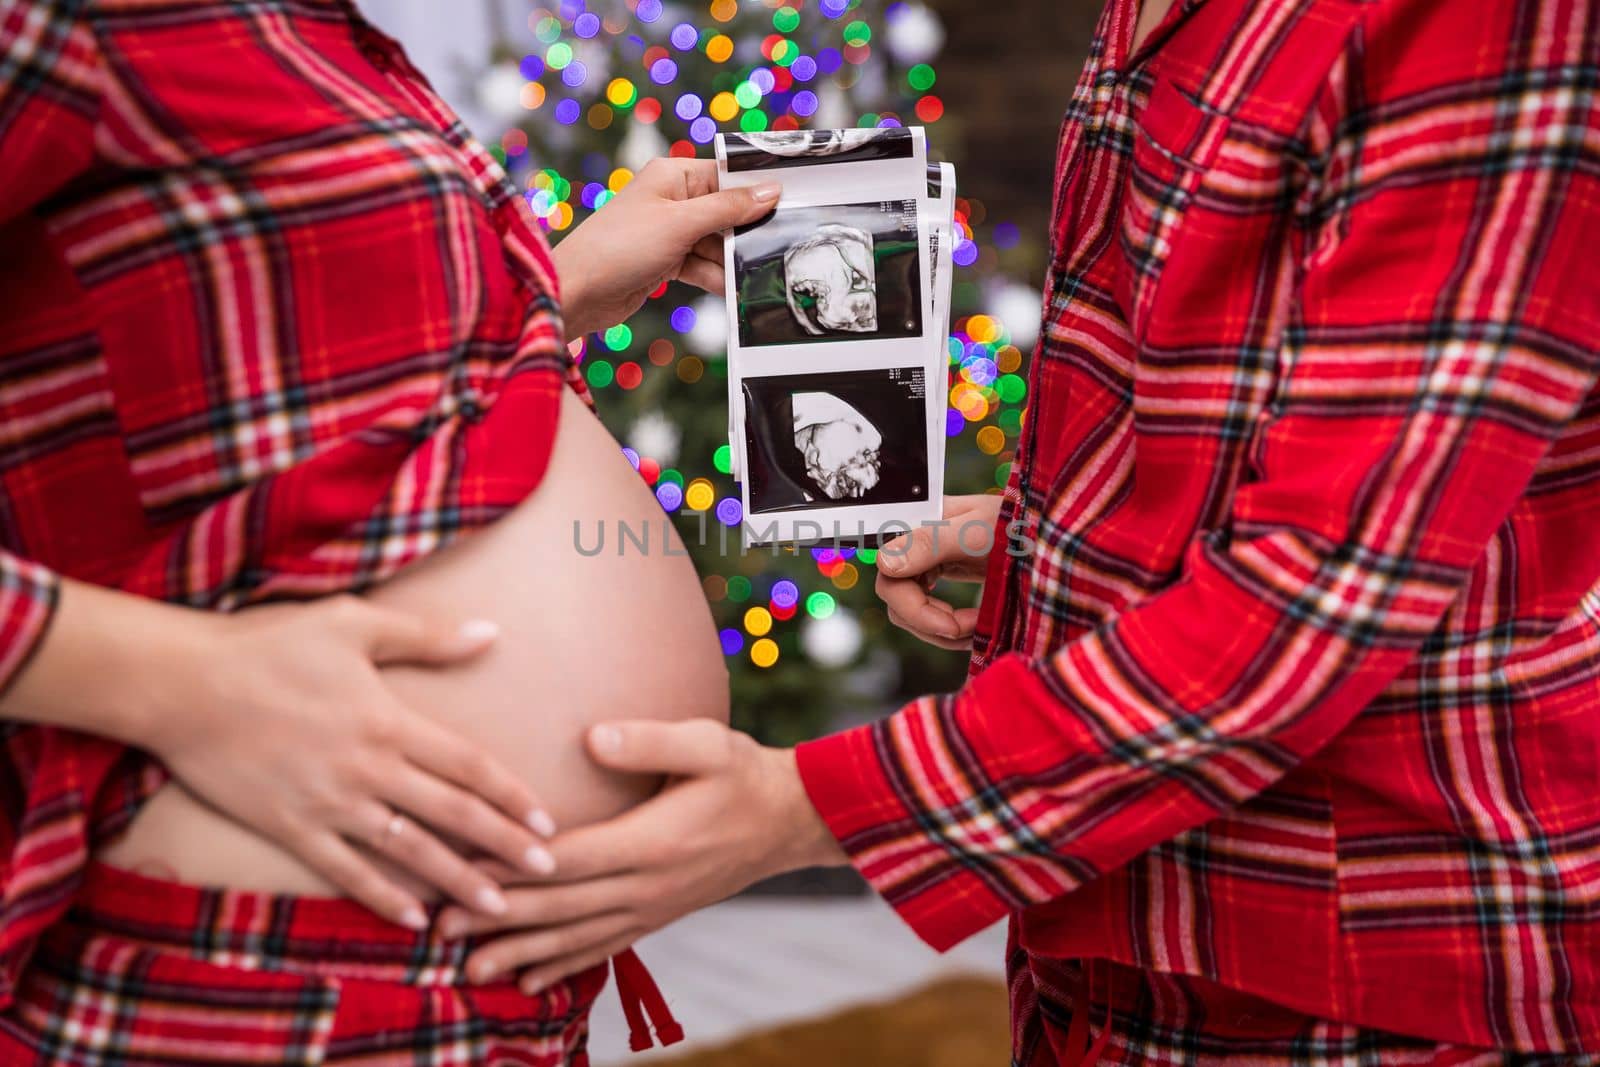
295	641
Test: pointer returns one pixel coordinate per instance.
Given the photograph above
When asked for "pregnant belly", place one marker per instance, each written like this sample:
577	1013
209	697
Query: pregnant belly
584	638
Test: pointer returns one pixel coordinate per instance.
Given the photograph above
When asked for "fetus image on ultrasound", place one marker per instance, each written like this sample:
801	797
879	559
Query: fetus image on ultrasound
772	149
841	272
839	445
836	439
829	278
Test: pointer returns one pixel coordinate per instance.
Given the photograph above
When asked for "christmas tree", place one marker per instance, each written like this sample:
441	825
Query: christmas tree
598	90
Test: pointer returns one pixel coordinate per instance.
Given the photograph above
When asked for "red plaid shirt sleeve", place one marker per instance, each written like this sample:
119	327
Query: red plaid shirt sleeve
49	88
1443	338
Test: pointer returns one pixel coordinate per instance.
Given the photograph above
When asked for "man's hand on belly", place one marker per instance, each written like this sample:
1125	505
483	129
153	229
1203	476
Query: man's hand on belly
733	813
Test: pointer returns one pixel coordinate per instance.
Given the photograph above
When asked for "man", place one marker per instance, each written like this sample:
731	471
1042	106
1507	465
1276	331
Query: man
1283	729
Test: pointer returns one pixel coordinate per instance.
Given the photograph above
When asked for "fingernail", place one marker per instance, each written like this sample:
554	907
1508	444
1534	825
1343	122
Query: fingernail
491	901
606	739
414	918
541	823
532	986
766	192
539	860
474	631
483	970
452	926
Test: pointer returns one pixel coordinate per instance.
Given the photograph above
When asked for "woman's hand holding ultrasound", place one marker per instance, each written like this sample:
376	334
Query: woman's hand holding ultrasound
665	225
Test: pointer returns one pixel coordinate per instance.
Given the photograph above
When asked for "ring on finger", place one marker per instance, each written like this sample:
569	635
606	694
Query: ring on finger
392	829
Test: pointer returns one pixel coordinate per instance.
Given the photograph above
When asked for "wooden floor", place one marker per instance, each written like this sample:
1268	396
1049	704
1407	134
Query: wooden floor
956	1022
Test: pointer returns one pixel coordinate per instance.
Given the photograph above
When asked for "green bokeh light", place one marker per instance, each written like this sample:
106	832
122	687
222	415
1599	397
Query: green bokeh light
600	374
722	459
820	605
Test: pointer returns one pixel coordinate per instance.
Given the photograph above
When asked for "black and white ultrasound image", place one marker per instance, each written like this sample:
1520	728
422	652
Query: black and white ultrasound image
776	149
836	439
841	272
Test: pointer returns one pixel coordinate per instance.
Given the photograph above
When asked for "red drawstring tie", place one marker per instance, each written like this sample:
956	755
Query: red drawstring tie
1078	1028
641	996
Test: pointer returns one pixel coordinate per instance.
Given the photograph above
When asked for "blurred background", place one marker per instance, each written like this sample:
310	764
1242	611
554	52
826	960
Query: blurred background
574	97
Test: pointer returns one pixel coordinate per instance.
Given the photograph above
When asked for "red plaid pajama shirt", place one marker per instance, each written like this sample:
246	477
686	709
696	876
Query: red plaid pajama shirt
1287	675
272	325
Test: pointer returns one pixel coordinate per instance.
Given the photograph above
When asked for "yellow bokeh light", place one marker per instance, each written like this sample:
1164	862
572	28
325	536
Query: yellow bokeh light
600	116
700	495
991	439
723	10
690	369
1008	359
619	179
533	96
723	107
758	621
560	216
720	48
764	653
847	577
621	92
983	329
969	400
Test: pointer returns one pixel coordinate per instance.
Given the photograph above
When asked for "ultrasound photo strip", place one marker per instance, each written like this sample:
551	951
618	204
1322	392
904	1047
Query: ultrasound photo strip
837	303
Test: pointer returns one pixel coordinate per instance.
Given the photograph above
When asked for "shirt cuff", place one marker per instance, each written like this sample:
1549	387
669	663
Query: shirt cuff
850	778
28	595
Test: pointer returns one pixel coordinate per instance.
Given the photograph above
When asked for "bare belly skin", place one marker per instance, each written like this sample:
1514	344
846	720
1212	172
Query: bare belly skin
584	639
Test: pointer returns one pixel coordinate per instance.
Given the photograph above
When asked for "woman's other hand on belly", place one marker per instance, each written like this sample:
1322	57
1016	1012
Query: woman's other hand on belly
284	724
665	225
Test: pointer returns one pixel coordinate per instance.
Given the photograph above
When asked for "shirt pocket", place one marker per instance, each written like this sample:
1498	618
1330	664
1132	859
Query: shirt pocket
1176	139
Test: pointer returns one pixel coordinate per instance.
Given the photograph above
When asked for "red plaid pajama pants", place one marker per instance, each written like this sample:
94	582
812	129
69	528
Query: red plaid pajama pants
1074	1013
147	972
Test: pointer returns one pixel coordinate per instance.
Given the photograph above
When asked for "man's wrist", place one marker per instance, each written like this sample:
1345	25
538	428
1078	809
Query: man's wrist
807	839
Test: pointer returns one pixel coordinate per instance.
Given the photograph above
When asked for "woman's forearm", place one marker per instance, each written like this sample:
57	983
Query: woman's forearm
112	664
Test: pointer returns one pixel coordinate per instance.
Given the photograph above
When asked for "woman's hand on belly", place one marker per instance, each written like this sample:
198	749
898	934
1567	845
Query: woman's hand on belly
293	733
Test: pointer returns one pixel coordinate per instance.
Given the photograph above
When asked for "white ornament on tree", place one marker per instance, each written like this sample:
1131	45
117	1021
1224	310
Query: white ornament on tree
656	436
499	92
709	334
1018	307
640	145
833	109
914	33
831	642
